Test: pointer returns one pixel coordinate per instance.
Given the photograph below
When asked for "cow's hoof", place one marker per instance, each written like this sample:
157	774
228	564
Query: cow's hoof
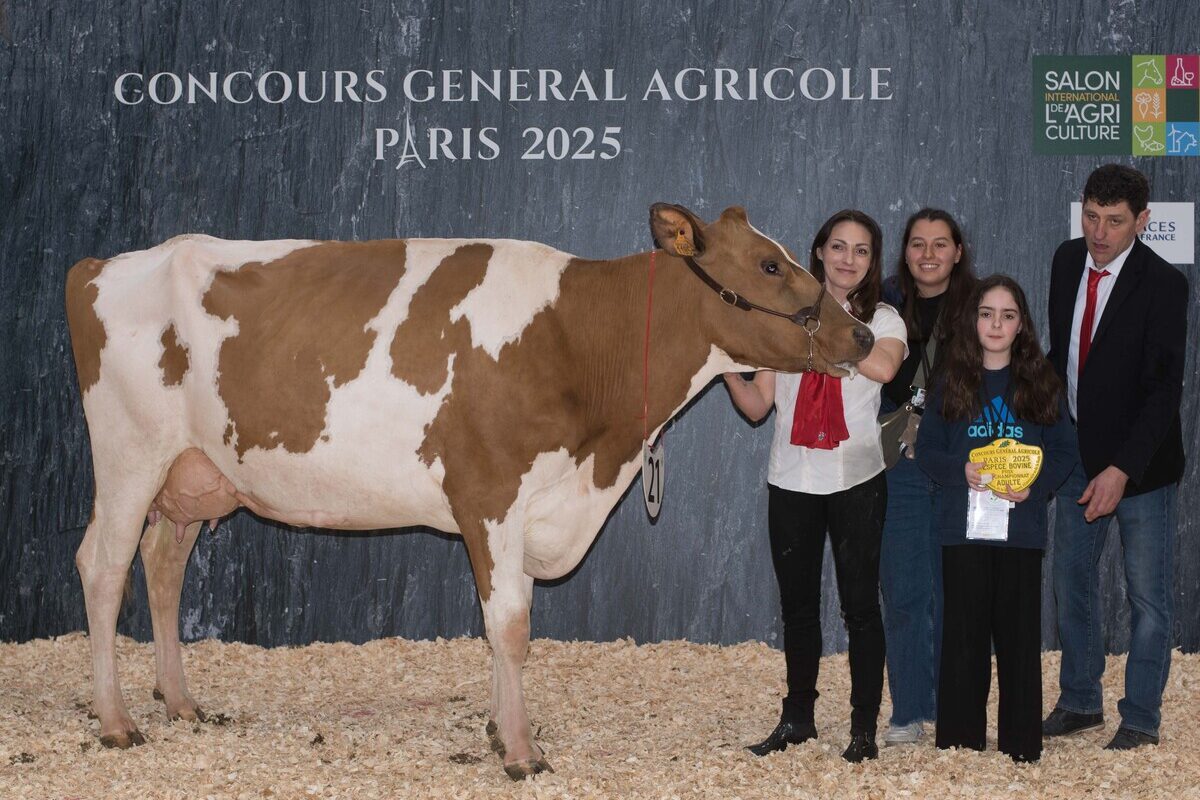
188	714
493	735
123	740
185	709
520	770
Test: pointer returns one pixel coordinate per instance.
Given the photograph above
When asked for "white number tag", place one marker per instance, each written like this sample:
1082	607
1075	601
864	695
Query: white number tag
652	477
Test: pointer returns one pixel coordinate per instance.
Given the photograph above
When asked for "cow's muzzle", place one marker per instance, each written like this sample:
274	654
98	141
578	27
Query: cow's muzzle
864	339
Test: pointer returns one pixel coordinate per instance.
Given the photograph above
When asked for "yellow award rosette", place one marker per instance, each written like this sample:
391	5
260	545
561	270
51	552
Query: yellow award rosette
1013	466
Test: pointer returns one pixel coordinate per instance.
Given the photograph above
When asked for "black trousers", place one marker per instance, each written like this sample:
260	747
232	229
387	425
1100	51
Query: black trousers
854	520
993	598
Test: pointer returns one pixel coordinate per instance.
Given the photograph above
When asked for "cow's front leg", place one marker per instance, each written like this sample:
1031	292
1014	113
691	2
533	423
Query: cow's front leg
165	560
508	632
505	593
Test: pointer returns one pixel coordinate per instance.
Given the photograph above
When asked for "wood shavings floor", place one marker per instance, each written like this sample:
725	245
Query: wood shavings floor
398	719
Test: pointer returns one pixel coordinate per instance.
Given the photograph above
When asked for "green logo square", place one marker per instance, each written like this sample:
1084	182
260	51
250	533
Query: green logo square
1183	105
1149	72
1081	104
1149	139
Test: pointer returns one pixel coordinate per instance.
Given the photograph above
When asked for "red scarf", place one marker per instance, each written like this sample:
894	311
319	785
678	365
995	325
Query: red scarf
819	421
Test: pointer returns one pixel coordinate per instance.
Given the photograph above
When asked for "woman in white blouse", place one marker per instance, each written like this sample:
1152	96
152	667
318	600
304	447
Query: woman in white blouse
827	474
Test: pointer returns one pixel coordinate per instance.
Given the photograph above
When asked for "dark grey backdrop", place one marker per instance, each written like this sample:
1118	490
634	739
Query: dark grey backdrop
81	175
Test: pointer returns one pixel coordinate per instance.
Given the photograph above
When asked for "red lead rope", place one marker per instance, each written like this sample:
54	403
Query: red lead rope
646	356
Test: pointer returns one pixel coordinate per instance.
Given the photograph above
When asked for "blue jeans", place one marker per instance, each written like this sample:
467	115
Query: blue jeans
1147	530
910	576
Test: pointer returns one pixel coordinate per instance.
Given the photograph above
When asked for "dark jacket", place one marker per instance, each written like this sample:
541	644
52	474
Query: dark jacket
898	390
943	450
1128	396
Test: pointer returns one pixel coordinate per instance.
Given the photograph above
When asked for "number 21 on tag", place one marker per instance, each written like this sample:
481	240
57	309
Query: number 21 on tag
652	477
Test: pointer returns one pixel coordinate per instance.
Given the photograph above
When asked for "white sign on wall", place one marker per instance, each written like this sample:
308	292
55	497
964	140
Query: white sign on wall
1170	231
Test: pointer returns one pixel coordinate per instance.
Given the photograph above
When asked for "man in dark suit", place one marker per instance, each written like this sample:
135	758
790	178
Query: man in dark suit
1118	328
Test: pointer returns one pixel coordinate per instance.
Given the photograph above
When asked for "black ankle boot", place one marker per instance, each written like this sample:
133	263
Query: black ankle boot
785	733
862	747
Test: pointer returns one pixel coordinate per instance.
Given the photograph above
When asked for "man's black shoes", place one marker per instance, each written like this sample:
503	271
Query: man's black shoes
1128	739
785	733
1064	723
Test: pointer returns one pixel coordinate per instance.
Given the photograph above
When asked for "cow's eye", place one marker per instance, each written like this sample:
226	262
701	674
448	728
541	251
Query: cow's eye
770	267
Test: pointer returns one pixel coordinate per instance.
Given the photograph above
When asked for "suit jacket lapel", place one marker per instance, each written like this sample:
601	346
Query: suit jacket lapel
1127	282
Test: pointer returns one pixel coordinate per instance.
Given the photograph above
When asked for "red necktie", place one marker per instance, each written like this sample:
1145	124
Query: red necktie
1089	315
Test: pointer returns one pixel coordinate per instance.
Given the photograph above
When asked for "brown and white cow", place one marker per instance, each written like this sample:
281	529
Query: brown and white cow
491	388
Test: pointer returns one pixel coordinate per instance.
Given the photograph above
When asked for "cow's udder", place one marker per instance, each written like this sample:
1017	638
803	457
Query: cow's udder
194	491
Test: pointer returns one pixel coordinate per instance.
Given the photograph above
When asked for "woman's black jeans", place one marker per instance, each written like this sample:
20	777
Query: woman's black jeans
798	522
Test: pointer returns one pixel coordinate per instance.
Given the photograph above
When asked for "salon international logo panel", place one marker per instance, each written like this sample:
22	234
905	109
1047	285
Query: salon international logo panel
1140	105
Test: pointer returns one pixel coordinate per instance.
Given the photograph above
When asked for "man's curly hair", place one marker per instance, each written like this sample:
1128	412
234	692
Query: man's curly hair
1112	183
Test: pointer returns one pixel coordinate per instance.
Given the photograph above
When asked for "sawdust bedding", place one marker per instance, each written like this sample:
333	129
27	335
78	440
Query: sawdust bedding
395	718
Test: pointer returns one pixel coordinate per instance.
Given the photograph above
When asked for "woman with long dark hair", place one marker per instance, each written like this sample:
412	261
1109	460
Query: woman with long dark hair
995	387
933	280
826	474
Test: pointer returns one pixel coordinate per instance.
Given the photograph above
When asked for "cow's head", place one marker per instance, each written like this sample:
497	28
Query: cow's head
758	269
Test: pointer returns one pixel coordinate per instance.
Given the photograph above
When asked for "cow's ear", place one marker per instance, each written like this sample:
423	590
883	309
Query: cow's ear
735	212
676	230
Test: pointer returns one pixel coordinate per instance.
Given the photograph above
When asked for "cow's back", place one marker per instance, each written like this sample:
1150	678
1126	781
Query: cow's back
307	371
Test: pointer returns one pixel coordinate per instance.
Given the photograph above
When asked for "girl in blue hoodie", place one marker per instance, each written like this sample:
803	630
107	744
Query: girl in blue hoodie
994	383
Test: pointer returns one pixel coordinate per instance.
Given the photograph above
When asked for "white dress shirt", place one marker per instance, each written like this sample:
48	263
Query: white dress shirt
859	457
1103	290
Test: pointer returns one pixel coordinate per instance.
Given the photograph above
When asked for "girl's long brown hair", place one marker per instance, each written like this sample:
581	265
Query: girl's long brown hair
865	296
1036	388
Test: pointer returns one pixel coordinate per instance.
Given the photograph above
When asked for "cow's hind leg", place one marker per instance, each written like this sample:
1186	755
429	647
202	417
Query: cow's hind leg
506	593
103	560
165	560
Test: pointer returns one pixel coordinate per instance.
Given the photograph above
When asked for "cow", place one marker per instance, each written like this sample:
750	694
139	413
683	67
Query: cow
497	389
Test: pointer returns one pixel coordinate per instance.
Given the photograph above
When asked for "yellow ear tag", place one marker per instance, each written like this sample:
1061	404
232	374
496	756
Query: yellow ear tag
684	247
1013	466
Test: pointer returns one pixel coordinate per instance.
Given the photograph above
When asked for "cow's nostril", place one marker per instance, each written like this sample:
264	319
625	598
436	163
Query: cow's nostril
864	339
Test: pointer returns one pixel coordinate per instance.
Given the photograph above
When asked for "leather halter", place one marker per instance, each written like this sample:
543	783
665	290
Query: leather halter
802	316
